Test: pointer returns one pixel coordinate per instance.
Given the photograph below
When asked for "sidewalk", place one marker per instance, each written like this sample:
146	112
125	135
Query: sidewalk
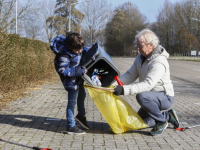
39	120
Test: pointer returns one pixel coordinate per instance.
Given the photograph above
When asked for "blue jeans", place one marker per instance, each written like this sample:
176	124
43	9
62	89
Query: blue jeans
75	97
152	103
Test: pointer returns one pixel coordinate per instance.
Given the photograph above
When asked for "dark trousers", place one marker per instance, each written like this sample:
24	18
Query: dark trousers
152	103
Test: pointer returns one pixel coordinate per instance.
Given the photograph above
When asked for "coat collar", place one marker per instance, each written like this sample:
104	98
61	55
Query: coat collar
159	50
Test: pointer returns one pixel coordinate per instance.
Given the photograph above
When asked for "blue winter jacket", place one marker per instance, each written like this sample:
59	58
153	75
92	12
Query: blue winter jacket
67	64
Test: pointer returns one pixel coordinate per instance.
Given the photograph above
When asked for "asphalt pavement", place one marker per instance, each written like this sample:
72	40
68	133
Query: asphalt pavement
39	119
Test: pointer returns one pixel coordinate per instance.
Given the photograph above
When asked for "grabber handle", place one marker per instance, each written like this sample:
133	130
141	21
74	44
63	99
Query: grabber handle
118	81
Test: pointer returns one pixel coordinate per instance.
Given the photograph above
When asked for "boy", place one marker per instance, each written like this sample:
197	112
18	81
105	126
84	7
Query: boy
68	52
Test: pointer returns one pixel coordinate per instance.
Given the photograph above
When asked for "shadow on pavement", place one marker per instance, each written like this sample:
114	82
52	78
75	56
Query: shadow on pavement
50	124
56	124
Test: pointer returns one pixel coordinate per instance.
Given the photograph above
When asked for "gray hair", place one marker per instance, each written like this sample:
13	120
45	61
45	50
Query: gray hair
148	37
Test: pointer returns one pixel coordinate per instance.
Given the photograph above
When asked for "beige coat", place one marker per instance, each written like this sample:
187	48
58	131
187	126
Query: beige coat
153	74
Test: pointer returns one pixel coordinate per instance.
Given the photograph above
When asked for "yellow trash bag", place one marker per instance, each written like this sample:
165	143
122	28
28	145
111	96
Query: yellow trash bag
116	111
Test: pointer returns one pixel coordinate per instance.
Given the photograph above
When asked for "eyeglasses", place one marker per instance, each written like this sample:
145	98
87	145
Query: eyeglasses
140	46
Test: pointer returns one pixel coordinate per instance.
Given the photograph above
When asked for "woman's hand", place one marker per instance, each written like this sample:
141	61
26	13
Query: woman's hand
118	90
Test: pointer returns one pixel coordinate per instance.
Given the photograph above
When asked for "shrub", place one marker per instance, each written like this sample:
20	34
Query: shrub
23	61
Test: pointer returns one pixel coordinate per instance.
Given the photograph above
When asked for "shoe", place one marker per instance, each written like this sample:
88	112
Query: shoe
82	121
173	118
158	128
75	130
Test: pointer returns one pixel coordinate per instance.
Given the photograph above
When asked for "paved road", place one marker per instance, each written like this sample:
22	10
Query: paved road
39	118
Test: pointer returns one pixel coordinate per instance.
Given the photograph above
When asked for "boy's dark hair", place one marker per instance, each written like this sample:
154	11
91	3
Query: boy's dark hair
74	40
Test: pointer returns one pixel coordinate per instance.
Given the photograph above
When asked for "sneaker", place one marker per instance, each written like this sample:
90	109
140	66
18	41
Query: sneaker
173	118
75	130
158	128
82	121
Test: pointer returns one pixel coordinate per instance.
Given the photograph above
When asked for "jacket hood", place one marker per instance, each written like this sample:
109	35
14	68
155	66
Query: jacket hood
158	51
58	46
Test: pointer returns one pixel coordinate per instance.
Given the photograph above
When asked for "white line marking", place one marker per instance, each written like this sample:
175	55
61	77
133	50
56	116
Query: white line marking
183	123
53	119
196	70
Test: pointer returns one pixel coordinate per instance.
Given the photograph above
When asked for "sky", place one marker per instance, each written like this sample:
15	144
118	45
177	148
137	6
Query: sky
149	8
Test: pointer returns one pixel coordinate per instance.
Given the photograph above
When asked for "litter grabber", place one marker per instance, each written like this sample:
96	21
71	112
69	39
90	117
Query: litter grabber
118	80
36	148
183	129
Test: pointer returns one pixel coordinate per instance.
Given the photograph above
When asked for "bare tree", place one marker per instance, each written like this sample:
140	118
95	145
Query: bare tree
97	13
165	25
184	12
32	31
177	31
48	9
7	13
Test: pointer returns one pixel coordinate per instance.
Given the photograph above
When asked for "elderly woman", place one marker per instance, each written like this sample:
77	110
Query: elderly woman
154	90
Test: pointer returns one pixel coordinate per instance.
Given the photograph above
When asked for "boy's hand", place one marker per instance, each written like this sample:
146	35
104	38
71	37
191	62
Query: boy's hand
85	71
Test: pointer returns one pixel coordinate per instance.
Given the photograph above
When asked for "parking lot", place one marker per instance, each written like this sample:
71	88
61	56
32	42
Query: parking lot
39	118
